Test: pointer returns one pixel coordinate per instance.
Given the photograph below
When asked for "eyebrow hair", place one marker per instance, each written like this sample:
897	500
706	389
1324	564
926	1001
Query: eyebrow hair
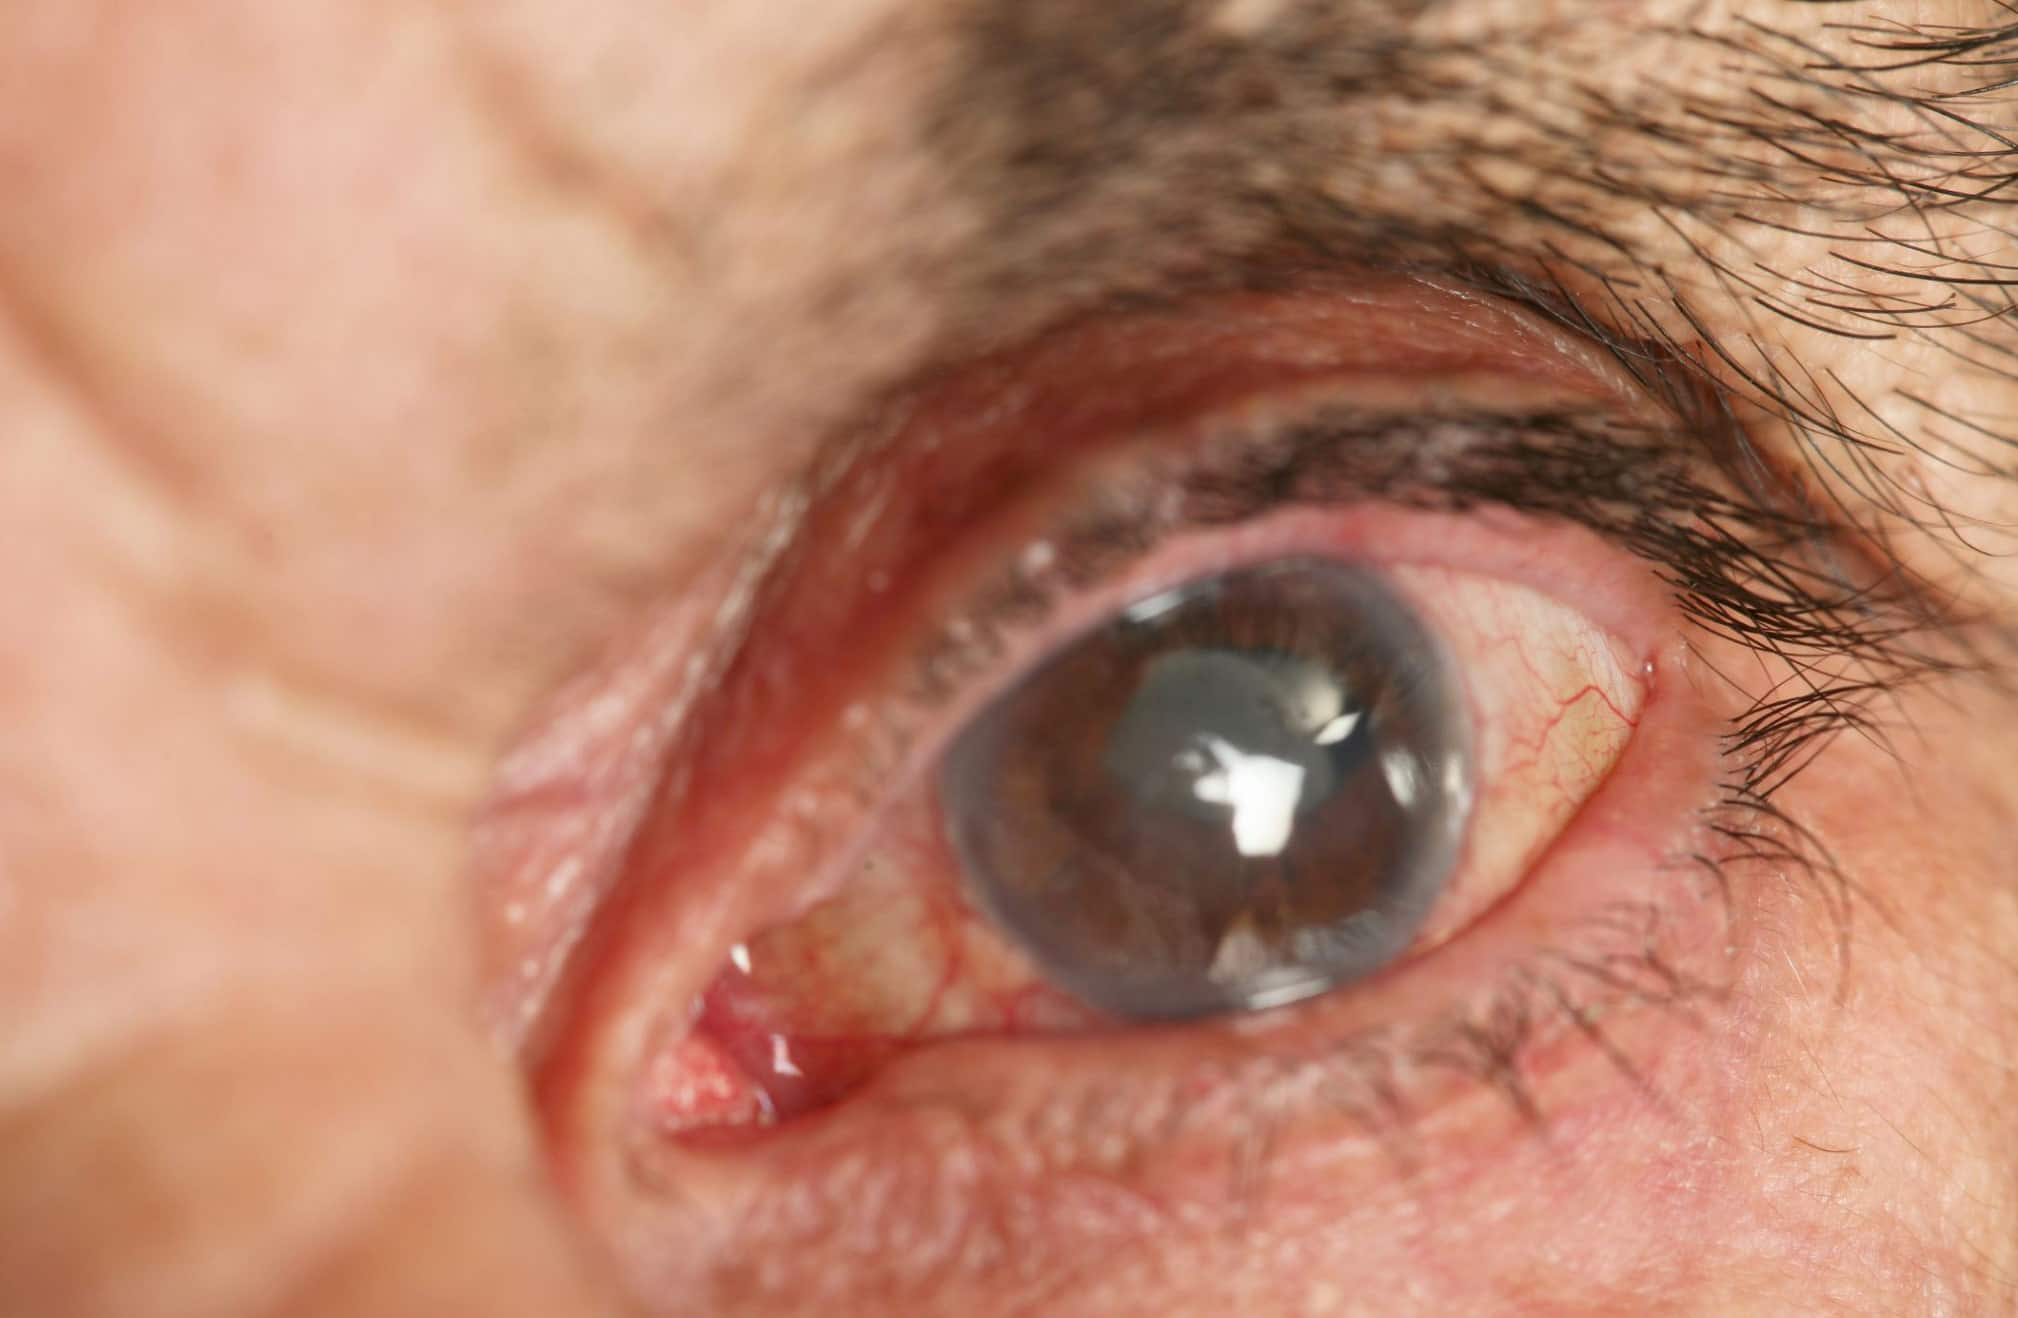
1146	148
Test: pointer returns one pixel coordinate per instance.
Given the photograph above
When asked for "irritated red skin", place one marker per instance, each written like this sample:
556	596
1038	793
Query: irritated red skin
765	742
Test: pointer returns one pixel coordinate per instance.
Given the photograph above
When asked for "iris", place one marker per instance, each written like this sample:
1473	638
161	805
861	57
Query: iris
1231	795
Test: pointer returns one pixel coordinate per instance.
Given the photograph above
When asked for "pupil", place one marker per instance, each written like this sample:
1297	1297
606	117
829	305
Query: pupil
1241	737
1235	794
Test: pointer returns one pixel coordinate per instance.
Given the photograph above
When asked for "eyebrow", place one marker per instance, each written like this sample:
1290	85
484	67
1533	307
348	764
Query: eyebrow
1151	148
1105	143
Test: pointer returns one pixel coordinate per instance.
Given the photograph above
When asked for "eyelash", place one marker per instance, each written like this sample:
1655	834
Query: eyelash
1769	578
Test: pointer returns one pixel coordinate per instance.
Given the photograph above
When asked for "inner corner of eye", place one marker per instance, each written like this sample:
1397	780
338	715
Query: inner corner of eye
1281	779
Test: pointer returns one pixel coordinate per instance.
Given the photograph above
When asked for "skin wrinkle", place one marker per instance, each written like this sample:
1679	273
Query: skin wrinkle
840	242
155	547
643	405
585	531
150	467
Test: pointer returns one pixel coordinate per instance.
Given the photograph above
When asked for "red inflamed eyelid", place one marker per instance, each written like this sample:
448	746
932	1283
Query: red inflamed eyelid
707	785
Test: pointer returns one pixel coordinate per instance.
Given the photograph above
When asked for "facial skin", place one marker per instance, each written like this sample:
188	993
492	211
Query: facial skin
372	372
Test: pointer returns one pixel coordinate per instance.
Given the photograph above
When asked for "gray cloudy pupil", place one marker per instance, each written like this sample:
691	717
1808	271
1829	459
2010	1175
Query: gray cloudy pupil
1250	738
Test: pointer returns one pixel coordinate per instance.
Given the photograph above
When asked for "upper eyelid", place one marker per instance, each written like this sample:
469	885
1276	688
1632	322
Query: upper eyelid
1335	456
1693	414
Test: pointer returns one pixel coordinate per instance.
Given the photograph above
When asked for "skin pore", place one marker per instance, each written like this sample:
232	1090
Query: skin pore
372	372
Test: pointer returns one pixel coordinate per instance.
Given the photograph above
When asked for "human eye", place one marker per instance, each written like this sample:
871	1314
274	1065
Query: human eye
1299	749
1322	724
